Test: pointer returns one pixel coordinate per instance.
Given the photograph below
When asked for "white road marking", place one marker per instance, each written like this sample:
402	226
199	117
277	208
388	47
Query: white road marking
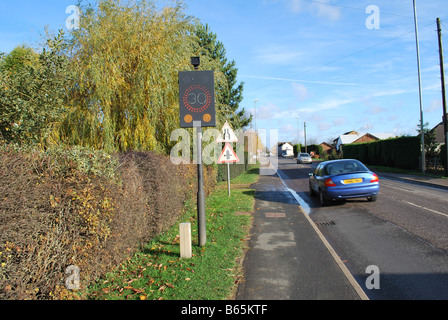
398	188
421	207
301	202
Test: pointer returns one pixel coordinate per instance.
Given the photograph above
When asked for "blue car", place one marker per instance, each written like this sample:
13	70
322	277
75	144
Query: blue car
343	179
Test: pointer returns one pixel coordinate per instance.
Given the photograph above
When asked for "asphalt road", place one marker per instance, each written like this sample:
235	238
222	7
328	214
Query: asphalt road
403	235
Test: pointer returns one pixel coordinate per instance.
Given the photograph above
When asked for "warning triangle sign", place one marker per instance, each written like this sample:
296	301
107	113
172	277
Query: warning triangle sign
227	134
228	155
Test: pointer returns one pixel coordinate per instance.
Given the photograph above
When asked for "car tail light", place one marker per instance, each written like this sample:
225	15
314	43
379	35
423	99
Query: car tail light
375	178
329	183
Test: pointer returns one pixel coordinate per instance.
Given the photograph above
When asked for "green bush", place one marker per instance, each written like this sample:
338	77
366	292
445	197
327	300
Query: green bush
296	149
317	149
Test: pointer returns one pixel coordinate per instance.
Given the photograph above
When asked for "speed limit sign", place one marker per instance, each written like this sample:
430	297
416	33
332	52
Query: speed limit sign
197	98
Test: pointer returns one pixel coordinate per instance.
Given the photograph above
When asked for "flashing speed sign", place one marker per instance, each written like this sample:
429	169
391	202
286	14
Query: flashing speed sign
197	98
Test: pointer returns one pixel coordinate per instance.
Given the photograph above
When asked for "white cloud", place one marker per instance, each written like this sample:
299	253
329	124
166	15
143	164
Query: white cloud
339	121
278	54
436	105
299	80
300	91
324	126
295	5
321	9
267	111
378	109
326	105
327	11
367	127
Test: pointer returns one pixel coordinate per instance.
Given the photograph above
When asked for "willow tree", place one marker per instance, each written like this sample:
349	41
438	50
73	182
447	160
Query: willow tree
126	57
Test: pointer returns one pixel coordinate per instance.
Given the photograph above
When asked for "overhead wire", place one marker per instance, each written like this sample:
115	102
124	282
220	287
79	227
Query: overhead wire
344	57
356	8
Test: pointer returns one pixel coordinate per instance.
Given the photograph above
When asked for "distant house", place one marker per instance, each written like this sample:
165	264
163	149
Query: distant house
327	148
284	146
355	137
440	133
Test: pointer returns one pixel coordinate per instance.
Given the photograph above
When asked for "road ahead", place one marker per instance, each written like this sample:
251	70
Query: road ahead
404	233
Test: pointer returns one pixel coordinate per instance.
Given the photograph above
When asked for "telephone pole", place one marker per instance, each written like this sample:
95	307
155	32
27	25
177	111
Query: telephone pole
423	156
304	130
442	75
256	135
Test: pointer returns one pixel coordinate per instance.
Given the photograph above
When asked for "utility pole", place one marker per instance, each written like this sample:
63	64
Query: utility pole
423	167
442	75
256	136
304	129
298	136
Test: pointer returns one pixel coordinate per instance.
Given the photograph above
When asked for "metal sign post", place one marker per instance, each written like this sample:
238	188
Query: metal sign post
202	232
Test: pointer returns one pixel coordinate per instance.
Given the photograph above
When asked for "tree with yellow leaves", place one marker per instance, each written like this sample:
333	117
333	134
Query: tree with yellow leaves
126	56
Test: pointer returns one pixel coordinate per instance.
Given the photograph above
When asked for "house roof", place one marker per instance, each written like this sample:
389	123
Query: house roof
282	143
440	132
349	138
286	145
382	136
327	144
352	137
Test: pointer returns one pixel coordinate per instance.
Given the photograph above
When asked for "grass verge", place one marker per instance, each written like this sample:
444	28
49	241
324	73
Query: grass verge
157	272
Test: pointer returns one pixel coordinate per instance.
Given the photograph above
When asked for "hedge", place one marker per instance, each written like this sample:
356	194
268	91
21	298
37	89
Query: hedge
403	152
235	169
317	149
83	208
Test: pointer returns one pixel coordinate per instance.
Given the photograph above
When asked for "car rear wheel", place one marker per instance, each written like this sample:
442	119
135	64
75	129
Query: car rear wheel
311	190
322	199
372	198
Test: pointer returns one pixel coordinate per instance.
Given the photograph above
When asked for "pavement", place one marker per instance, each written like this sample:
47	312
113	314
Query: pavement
288	258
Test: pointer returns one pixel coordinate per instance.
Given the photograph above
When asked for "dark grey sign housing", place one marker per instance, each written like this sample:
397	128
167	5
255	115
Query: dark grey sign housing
197	98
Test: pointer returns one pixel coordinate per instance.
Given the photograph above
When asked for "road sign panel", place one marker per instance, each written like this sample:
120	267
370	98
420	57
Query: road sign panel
227	134
197	98
228	155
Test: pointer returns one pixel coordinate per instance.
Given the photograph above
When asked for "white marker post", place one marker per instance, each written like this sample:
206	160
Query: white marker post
185	240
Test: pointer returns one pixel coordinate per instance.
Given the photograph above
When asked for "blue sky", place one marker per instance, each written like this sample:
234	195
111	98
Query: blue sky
312	61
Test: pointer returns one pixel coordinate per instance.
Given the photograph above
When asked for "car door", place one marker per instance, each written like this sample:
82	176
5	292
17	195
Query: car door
314	180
